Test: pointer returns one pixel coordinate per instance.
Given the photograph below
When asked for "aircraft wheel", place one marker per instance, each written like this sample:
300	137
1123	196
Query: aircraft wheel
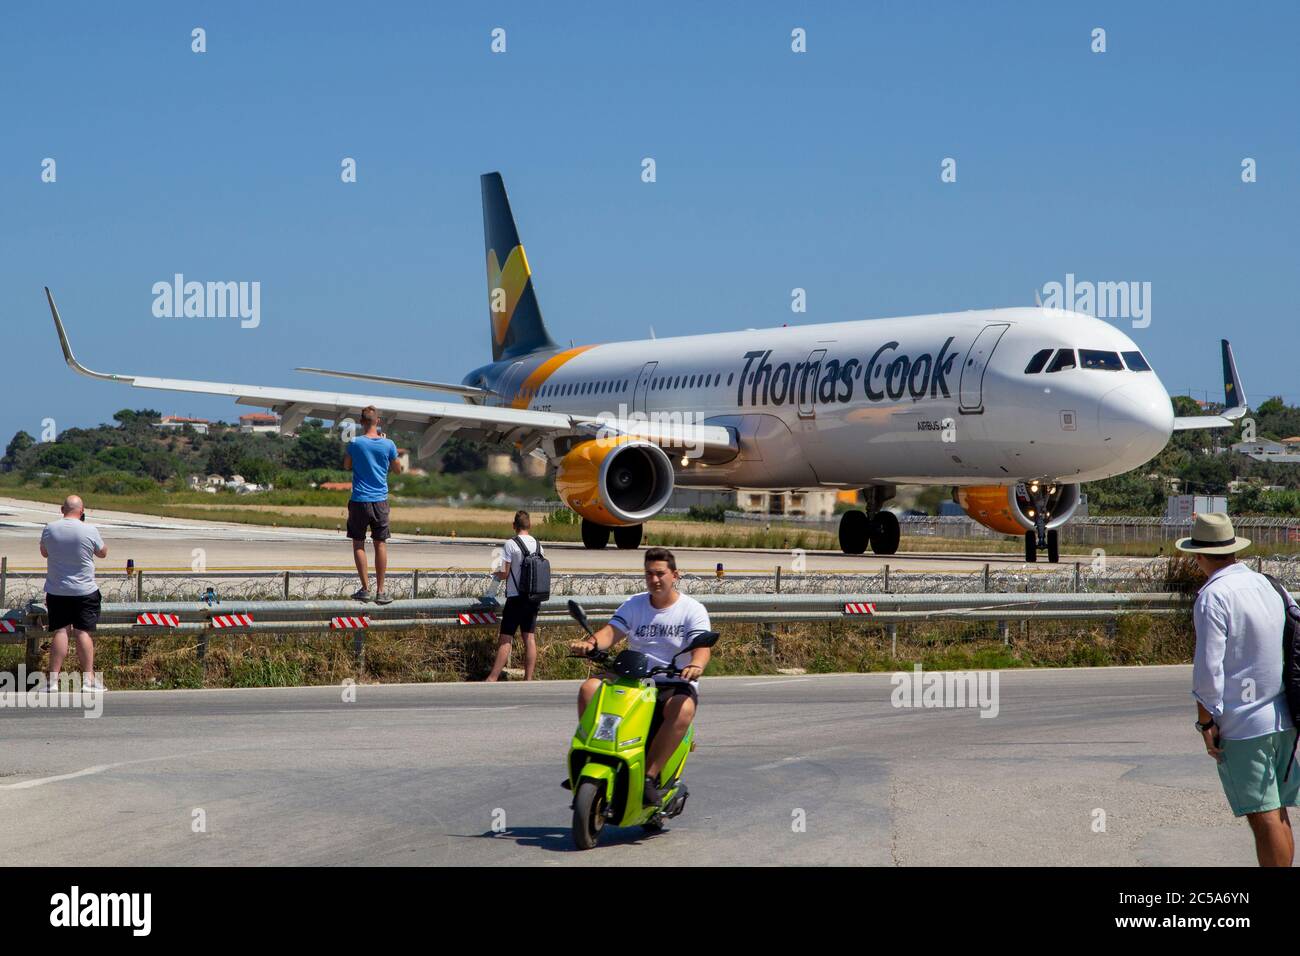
629	537
885	533
594	536
1053	546
855	532
1031	547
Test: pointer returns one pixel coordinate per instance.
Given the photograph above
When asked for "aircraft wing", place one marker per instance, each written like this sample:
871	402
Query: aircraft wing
1234	399
469	391
436	421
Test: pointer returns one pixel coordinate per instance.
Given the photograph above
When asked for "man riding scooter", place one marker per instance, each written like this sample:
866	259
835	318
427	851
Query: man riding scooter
660	623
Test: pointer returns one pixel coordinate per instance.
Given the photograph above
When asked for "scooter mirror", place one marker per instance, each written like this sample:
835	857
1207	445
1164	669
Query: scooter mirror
707	639
577	613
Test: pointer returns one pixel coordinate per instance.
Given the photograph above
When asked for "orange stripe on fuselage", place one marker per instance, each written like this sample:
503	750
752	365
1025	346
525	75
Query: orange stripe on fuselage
539	375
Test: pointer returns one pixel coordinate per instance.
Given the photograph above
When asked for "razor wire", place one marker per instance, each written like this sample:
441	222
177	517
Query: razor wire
322	585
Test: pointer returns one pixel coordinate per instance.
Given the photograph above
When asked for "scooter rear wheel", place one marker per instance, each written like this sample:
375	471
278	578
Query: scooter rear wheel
588	814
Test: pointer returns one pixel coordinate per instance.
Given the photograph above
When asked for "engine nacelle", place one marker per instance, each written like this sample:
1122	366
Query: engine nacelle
616	481
1009	508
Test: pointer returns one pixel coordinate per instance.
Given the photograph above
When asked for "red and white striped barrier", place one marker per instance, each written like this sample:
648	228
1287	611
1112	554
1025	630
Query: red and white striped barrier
859	607
8	627
158	620
478	617
349	623
231	620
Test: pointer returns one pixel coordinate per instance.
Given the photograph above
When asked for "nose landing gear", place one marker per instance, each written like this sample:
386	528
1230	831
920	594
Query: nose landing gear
1040	538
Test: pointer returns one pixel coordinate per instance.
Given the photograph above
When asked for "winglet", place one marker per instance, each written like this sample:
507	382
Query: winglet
1234	396
67	347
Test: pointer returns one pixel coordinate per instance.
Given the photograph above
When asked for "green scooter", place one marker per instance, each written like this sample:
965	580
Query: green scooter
608	754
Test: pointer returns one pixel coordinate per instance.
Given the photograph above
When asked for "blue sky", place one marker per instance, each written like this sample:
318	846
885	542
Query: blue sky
775	171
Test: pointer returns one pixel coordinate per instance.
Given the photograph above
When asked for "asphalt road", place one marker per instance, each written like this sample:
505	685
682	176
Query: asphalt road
418	774
169	543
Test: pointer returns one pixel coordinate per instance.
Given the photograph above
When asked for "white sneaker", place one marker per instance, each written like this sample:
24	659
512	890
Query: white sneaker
90	685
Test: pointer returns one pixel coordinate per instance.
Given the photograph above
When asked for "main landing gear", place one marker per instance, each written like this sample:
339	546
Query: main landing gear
596	536
879	530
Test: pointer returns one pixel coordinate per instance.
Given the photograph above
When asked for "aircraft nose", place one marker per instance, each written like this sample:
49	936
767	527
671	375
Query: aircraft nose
1136	421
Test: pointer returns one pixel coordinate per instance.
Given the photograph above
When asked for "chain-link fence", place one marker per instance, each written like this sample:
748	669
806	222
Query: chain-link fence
1263	532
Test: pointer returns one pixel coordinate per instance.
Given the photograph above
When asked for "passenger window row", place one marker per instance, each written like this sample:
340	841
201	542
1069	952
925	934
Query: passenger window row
659	383
1087	358
574	388
707	380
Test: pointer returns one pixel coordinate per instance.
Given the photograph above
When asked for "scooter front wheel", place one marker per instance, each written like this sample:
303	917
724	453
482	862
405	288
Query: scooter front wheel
588	814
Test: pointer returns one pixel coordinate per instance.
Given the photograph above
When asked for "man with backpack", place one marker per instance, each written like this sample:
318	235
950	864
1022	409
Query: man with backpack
1244	680
527	574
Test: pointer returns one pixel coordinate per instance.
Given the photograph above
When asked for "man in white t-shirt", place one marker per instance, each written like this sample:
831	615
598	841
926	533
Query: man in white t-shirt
519	614
659	623
70	546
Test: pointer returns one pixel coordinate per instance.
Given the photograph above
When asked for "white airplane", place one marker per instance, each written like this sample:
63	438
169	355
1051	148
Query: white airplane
1012	407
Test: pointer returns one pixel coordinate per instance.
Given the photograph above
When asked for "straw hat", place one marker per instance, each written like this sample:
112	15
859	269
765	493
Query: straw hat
1212	534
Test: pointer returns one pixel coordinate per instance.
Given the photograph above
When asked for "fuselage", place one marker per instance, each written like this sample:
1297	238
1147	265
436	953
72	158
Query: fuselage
949	398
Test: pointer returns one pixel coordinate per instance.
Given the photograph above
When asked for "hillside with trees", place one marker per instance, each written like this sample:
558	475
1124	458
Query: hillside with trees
136	457
1201	463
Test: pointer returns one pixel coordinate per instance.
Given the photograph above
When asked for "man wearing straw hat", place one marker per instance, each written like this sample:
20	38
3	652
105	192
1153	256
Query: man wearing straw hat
1237	682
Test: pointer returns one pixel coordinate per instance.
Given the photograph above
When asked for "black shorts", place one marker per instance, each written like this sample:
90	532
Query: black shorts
667	691
520	614
78	610
368	514
670	689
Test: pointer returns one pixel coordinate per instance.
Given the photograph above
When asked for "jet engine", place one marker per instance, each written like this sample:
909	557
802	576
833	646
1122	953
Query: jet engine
1010	508
615	482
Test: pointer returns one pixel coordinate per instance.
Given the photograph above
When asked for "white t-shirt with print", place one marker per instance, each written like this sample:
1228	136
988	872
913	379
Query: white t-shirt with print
511	554
661	633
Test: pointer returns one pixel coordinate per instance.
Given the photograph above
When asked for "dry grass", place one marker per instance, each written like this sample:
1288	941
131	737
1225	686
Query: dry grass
447	654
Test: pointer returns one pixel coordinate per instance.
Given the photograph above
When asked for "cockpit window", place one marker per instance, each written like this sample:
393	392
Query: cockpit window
1106	361
1038	361
1136	362
1064	359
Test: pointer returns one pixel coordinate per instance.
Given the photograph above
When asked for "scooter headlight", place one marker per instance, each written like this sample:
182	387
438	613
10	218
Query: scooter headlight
607	729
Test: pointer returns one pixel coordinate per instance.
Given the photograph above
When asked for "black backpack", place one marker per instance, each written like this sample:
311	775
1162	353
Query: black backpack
1290	663
533	580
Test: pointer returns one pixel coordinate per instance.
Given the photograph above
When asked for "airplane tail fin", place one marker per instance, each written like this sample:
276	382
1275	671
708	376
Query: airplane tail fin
1234	396
517	327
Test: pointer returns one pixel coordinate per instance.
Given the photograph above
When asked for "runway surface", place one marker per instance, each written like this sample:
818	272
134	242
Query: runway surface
169	543
418	774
